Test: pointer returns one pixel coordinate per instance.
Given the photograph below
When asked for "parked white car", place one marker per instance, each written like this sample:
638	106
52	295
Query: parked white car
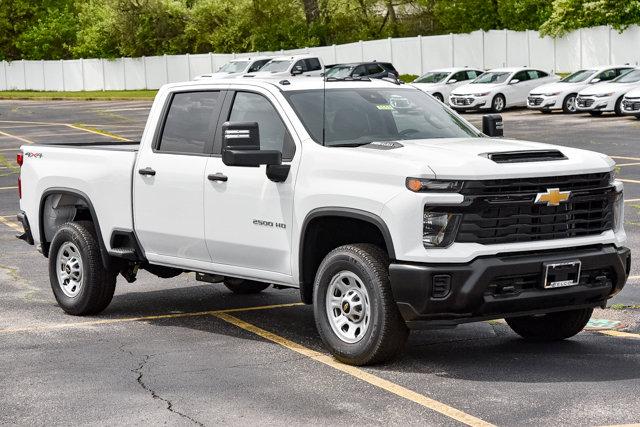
441	82
237	67
607	97
562	95
631	103
287	66
499	89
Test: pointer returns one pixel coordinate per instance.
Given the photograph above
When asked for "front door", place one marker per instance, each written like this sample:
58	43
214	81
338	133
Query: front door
248	218
169	179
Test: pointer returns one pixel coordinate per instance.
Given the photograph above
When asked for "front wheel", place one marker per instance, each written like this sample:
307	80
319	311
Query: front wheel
617	110
355	313
438	96
79	281
498	103
552	326
569	104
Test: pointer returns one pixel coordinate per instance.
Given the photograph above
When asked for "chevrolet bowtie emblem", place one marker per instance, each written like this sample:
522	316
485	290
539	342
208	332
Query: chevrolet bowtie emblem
553	197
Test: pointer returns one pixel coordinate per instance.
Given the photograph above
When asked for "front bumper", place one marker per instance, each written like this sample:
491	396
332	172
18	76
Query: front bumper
504	285
593	103
542	102
469	102
631	106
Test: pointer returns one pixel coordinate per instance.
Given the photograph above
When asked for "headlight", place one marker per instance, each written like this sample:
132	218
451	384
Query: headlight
552	94
481	94
603	95
418	185
438	228
618	211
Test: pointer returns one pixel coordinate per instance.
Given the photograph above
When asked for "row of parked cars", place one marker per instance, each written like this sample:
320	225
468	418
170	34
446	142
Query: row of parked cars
595	90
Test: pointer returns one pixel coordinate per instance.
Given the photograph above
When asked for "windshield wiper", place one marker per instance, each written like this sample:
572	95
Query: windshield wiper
350	144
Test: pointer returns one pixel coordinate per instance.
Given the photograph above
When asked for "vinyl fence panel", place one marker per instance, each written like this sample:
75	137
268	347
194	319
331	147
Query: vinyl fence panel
34	74
437	52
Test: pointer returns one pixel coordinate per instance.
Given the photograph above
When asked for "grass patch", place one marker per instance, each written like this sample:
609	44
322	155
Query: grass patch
85	96
408	78
10	166
624	307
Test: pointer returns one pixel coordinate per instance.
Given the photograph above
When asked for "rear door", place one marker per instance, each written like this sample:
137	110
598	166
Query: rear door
168	182
248	218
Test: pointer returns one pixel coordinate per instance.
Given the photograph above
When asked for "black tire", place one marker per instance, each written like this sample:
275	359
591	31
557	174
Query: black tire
551	327
98	284
567	102
617	110
545	111
496	105
386	332
244	287
595	113
438	96
638	116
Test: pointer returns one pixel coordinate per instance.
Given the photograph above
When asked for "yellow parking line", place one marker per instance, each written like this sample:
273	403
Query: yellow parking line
627	164
8	188
98	132
626	158
632	181
14	225
619	334
359	373
56	326
19	138
632	200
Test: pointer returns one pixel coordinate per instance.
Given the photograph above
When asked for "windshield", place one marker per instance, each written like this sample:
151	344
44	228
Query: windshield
234	67
630	77
339	72
492	77
276	66
578	76
361	116
433	77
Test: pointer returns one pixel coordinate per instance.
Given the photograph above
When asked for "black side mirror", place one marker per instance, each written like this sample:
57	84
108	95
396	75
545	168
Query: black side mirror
241	146
296	70
492	125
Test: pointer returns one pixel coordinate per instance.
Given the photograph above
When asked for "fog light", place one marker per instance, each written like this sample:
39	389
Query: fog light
438	228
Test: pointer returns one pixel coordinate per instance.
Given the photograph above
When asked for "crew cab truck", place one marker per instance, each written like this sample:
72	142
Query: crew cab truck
384	207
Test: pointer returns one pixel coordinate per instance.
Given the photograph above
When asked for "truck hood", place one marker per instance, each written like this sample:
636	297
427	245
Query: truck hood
607	87
558	87
470	89
465	158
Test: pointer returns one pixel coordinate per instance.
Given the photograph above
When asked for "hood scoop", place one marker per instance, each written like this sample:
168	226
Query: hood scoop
525	156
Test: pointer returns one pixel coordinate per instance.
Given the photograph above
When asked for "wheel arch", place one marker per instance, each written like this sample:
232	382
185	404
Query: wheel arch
106	261
305	269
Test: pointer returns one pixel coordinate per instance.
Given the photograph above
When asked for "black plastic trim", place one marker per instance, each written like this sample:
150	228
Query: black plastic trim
26	236
132	237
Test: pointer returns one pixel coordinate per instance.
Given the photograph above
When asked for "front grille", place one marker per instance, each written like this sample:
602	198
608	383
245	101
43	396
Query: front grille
503	211
631	104
534	101
461	101
584	102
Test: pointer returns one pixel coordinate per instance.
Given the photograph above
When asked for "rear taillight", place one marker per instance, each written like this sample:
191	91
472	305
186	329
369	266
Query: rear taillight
19	159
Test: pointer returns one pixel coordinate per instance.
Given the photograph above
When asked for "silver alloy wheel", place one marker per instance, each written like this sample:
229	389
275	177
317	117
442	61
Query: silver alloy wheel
348	308
498	104
571	104
70	269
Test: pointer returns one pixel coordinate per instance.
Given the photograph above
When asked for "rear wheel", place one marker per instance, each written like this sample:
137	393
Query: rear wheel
244	287
498	103
551	326
569	104
355	313
595	113
79	281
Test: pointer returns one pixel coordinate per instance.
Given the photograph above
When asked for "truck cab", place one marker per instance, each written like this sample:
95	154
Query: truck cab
386	209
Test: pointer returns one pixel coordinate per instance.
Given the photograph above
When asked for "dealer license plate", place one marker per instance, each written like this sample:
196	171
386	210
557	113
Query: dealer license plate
561	274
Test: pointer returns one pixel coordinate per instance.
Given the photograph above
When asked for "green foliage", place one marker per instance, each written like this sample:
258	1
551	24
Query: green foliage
54	29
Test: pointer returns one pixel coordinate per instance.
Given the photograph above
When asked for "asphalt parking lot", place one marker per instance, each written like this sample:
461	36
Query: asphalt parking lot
182	352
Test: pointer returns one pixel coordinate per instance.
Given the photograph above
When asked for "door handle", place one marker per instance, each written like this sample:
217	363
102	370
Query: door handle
147	171
217	177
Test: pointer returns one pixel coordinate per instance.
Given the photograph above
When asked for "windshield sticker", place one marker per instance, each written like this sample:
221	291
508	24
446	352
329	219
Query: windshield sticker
384	107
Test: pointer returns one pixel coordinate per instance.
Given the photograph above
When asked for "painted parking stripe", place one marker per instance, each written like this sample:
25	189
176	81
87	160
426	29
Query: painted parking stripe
98	132
619	334
628	164
359	373
631	181
60	326
626	158
632	200
11	224
8	188
19	138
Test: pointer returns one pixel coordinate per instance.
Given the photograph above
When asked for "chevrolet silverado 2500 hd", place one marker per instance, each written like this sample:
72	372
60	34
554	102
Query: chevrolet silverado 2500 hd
384	207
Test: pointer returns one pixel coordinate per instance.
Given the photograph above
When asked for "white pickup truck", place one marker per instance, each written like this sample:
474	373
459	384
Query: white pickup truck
384	207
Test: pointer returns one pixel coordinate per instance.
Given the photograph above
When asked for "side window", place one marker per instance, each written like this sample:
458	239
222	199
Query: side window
313	64
542	74
460	76
472	74
257	65
374	69
359	71
251	107
621	71
190	122
302	64
521	76
533	74
608	75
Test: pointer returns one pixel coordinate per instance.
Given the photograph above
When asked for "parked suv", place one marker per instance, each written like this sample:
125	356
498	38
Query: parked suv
383	207
374	70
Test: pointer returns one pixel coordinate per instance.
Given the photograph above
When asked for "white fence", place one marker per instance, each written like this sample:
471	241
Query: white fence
411	55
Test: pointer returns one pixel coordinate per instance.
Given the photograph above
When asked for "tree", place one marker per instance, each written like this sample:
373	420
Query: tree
520	15
51	37
569	15
464	16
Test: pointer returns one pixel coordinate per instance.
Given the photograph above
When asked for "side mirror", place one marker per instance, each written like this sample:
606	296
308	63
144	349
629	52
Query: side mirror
492	125
596	80
514	82
296	70
241	146
451	81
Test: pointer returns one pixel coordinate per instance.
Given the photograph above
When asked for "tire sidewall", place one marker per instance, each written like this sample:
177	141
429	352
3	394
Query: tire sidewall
565	103
328	269
493	103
